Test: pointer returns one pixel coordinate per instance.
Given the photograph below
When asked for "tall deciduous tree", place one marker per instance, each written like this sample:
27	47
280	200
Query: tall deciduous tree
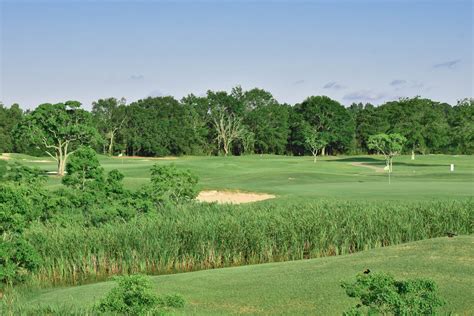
461	120
110	116
59	129
314	142
331	120
228	128
9	117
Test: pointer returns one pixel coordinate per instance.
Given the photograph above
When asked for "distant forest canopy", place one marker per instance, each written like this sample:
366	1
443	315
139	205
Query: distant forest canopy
236	123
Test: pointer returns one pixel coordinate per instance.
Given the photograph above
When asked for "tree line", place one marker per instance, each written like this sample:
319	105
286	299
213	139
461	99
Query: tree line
235	123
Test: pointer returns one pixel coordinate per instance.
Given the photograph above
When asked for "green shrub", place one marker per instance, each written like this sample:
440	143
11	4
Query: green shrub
171	300
132	296
84	170
17	259
170	184
21	174
380	293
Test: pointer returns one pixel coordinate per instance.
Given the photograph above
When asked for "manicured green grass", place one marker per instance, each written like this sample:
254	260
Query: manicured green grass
427	177
305	287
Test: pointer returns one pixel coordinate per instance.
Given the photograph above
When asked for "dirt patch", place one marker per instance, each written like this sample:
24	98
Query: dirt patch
4	156
362	164
229	197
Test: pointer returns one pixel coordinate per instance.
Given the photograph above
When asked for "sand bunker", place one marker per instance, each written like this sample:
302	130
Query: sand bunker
4	156
229	197
362	164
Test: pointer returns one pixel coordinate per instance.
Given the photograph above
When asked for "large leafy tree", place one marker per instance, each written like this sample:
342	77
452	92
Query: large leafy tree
461	121
59	129
110	116
9	117
367	122
331	120
158	127
226	115
422	121
267	120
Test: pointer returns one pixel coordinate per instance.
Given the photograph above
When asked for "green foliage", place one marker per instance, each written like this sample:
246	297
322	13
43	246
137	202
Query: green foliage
84	170
330	119
3	169
132	296
17	259
389	145
314	141
171	300
380	293
58	129
9	117
170	184
114	184
21	174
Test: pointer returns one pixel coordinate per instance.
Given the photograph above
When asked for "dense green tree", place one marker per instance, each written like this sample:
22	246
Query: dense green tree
159	127
331	120
109	116
9	118
461	120
59	129
267	120
367	122
422	121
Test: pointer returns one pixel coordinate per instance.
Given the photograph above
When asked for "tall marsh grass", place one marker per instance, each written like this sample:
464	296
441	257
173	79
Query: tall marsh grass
211	236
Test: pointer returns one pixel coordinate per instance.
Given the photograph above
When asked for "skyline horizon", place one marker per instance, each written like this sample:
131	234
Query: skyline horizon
88	106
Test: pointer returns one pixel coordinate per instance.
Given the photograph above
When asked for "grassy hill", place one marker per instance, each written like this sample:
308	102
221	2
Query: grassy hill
304	287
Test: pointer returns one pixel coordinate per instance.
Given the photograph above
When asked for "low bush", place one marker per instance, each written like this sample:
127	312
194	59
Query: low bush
134	296
380	293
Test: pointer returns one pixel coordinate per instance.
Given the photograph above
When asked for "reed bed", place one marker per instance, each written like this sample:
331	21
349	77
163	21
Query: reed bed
197	236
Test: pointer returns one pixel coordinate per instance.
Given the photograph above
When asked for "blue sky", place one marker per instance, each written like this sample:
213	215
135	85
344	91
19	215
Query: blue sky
353	51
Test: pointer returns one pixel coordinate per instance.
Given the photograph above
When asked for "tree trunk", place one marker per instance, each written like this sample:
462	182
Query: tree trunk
61	166
412	154
226	149
323	151
111	144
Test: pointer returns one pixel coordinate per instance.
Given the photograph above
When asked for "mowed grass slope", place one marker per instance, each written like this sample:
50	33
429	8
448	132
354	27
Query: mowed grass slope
427	177
306	287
